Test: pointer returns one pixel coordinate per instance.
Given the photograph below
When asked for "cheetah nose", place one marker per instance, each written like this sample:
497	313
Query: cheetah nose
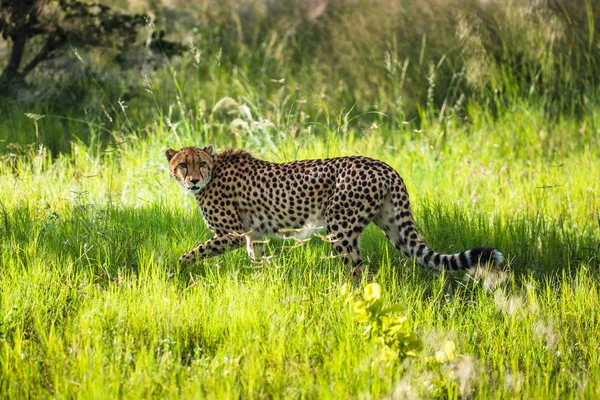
194	181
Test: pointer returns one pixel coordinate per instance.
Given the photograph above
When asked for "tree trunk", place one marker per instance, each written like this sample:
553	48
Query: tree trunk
11	70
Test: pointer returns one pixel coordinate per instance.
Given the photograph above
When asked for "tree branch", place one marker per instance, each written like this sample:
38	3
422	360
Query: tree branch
54	42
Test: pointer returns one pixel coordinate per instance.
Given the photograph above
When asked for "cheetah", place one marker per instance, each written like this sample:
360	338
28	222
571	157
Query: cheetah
243	199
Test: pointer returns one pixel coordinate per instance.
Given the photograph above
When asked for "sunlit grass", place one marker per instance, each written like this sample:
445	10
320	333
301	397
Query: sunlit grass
93	303
498	145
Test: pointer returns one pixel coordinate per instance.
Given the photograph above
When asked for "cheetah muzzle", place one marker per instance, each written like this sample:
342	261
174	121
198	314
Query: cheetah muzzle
243	199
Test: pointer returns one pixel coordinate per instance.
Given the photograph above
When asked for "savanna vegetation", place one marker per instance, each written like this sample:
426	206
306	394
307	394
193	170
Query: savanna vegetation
488	109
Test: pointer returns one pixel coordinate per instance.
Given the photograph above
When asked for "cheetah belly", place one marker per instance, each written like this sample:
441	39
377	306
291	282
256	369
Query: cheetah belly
313	224
261	227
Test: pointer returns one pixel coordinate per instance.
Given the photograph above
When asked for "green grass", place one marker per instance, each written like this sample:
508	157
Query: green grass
94	305
491	117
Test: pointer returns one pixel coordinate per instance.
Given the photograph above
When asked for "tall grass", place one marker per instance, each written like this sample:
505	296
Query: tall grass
419	61
487	110
93	303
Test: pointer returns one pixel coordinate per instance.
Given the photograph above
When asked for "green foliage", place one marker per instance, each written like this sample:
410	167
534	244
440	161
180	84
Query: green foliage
404	61
415	59
93	303
392	332
442	382
489	113
67	25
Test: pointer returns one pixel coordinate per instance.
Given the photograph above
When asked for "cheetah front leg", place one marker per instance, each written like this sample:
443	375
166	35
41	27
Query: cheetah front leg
213	247
254	247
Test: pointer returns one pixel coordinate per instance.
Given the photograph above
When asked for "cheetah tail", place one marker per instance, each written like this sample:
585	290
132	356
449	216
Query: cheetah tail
405	237
414	246
454	262
464	260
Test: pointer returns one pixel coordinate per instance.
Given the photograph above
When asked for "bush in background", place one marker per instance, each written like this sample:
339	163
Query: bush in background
429	61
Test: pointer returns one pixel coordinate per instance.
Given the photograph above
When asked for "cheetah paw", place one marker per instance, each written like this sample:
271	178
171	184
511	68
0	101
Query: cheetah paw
359	271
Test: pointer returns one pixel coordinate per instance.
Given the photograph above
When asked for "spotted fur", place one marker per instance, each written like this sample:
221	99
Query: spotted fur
243	199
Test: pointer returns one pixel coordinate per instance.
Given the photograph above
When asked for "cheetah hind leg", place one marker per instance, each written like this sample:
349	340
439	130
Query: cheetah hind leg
345	244
345	231
388	223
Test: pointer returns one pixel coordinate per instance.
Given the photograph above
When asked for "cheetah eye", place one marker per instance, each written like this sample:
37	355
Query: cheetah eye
183	165
202	164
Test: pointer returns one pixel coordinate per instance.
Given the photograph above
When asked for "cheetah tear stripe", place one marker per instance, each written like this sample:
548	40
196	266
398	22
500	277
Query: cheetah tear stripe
244	199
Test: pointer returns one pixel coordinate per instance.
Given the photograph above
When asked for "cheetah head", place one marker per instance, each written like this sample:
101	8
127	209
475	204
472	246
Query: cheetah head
191	166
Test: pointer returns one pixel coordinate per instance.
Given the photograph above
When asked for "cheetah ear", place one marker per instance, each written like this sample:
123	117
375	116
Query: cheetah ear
208	149
170	153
